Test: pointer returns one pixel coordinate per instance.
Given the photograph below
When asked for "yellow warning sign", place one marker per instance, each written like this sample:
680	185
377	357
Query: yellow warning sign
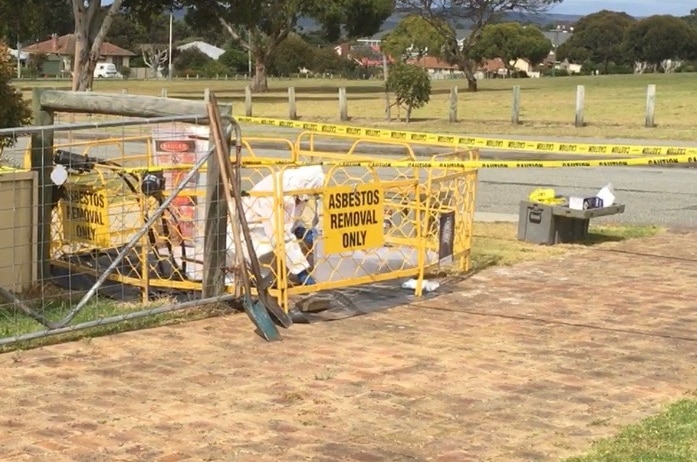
353	218
84	211
99	215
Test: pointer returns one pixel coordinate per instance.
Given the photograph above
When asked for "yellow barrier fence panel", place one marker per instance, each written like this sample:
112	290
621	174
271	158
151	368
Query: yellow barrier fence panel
378	216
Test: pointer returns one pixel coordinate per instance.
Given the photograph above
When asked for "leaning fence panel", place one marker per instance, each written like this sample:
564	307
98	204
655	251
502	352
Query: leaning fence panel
131	227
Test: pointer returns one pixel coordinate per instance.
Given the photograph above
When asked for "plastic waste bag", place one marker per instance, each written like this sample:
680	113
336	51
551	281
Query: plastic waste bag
428	286
607	194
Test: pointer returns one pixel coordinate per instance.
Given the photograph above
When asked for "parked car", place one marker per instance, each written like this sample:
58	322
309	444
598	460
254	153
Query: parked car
106	71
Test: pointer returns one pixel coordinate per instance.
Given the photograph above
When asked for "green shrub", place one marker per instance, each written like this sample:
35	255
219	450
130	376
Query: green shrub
411	86
14	111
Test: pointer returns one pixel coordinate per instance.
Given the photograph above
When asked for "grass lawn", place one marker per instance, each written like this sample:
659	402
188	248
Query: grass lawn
614	106
495	244
670	436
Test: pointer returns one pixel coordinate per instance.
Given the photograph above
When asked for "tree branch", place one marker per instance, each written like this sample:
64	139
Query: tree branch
235	35
106	24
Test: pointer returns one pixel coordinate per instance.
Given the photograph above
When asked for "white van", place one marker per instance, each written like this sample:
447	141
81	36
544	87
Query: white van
106	71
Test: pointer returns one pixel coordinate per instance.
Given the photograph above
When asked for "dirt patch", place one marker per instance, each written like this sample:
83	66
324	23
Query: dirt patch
529	362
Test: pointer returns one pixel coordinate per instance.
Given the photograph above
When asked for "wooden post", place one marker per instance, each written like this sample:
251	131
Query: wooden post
124	91
215	227
248	101
515	111
163	93
343	104
452	117
580	99
650	106
292	110
42	162
385	74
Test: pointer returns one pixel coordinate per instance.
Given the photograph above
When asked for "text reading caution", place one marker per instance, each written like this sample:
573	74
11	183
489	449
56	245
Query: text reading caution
353	218
84	214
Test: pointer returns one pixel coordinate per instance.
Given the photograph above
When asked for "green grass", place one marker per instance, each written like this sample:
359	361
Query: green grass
58	303
599	234
615	104
496	244
670	436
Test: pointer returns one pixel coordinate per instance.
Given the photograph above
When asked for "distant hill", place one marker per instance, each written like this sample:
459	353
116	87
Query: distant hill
542	20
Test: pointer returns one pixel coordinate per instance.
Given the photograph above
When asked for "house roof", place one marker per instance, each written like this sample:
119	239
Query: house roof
429	62
492	65
65	45
211	51
556	37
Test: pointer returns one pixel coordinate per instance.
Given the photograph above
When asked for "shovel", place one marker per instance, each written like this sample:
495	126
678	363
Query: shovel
232	178
257	312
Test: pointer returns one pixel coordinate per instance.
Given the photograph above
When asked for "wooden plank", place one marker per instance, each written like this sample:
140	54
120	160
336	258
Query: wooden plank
42	164
233	194
257	312
215	226
123	105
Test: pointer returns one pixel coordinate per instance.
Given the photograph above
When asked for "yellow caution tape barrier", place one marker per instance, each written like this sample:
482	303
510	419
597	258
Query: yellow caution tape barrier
476	142
472	164
466	164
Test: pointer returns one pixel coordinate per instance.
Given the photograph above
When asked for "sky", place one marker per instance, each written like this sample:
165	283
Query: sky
631	7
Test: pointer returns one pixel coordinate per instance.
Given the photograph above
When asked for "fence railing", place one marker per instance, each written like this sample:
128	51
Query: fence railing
131	223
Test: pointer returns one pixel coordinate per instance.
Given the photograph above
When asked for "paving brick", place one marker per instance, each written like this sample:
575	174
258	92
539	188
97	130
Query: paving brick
530	362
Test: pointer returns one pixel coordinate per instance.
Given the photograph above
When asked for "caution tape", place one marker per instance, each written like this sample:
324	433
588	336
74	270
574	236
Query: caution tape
476	142
478	164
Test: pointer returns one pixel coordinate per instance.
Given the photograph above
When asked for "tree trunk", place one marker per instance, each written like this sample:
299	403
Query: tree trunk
82	48
471	83
407	117
260	83
467	66
89	36
606	66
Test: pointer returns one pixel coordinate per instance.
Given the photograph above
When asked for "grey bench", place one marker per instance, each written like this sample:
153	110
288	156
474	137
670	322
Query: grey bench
557	224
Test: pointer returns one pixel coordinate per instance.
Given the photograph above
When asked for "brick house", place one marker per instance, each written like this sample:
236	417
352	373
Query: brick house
62	49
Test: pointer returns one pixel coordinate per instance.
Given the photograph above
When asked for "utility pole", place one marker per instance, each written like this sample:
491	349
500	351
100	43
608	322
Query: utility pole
556	45
169	53
19	60
249	53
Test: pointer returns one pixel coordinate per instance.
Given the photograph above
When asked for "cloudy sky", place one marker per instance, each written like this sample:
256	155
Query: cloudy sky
632	7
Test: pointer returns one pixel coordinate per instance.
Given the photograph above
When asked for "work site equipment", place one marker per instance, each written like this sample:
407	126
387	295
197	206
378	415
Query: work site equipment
130	222
257	312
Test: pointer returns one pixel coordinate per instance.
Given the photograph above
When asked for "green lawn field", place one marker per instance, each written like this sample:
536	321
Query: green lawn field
614	108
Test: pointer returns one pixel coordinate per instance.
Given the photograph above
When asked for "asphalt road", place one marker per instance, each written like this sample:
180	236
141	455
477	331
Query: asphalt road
659	196
652	195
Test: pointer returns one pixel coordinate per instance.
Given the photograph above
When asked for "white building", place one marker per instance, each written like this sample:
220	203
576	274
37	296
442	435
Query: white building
209	50
22	55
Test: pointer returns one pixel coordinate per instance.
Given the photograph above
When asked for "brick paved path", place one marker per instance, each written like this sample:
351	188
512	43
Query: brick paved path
530	362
